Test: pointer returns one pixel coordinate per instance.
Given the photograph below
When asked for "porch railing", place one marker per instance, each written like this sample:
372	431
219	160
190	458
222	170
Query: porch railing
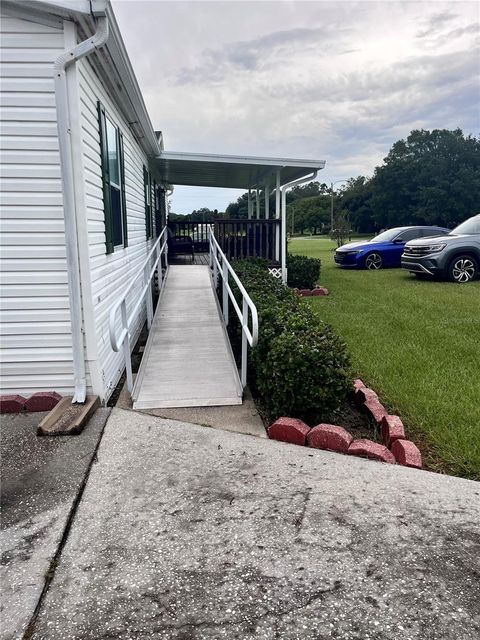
238	238
252	238
197	231
147	270
221	267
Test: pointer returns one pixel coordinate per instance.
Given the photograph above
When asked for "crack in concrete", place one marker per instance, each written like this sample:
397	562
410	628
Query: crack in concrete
50	573
253	621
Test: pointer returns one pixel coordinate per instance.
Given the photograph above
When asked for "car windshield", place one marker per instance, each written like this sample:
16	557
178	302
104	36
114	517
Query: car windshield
469	226
386	236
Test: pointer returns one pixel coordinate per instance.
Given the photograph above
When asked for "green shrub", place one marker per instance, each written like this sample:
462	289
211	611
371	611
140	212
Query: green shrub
300	366
274	302
302	272
305	374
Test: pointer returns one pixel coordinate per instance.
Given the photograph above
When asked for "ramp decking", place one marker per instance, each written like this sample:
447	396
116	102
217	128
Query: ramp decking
187	360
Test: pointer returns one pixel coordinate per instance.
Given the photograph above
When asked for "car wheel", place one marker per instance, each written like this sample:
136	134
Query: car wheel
373	261
463	269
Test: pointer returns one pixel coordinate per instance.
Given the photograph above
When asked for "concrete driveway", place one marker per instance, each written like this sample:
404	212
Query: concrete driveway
186	532
41	481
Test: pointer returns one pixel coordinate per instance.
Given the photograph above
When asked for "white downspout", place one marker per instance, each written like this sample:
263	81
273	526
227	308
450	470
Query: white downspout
66	161
168	193
283	246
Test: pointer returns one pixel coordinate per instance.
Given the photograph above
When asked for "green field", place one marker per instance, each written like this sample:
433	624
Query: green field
417	343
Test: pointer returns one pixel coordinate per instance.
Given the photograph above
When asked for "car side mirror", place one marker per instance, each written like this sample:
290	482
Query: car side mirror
398	241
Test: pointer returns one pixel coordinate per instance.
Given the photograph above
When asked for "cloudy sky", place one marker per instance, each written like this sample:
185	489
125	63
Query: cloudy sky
339	81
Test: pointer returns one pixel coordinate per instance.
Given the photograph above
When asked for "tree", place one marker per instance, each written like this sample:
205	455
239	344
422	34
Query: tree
202	215
198	215
355	198
432	177
308	213
341	228
239	208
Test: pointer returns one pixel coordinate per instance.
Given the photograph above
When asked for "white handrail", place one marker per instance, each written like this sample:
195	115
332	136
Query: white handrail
223	267
159	248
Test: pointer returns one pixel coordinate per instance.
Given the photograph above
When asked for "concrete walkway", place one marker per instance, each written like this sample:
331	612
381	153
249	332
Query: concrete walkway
41	481
192	533
240	418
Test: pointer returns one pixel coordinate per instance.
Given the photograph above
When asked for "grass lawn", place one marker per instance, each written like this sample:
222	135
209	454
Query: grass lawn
417	343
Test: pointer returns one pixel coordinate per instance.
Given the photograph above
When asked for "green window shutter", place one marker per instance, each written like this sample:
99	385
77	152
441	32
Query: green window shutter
124	200
107	205
148	213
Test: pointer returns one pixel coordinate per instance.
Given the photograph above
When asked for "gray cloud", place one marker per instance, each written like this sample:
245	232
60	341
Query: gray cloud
440	39
250	55
339	81
435	22
417	76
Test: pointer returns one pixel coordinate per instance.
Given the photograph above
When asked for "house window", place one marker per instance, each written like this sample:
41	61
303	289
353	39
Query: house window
113	175
147	185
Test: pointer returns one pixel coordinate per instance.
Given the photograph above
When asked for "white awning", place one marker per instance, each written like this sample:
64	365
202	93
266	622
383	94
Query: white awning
231	172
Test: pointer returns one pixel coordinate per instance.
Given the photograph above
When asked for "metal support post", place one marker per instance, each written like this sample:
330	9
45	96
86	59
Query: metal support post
277	216
225	292
215	269
126	348
244	344
331	207
146	281
159	270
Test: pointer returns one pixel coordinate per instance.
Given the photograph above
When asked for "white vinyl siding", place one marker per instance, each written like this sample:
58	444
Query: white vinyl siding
35	330
110	274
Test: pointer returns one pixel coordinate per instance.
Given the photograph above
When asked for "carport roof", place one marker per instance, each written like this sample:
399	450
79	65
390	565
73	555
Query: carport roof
234	172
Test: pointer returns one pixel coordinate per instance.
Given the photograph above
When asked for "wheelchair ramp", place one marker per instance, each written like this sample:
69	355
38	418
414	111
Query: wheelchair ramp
188	360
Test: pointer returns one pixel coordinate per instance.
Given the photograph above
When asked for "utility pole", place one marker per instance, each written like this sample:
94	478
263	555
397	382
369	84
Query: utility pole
331	207
331	201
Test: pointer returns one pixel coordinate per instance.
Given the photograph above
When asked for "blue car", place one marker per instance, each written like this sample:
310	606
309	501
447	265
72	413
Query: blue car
384	250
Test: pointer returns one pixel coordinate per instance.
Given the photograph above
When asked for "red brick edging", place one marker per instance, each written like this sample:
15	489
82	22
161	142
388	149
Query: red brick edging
395	448
317	291
41	401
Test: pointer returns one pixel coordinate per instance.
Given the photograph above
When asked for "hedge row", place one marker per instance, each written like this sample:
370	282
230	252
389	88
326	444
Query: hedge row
300	367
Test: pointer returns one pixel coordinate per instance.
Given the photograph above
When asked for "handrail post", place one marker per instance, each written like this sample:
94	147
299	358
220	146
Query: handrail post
158	253
224	292
244	343
215	268
226	271
146	280
149	268
126	348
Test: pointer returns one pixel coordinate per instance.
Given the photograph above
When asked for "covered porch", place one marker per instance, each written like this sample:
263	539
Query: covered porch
262	234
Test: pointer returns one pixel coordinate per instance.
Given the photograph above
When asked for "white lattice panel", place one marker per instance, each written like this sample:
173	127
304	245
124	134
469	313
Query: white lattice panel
276	272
